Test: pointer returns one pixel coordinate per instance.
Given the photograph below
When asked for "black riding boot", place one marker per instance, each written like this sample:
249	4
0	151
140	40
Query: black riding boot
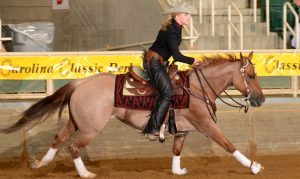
162	83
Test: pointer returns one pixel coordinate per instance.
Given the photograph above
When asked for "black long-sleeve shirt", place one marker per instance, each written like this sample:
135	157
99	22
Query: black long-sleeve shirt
167	44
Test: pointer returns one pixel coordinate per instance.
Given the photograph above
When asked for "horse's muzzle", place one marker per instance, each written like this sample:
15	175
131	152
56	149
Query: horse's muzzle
256	101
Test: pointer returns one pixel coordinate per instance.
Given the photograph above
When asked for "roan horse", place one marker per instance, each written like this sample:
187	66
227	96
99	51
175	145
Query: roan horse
91	106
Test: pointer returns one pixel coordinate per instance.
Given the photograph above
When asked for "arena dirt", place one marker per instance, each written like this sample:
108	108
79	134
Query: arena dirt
280	166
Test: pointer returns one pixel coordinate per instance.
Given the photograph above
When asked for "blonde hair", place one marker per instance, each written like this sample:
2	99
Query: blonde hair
168	22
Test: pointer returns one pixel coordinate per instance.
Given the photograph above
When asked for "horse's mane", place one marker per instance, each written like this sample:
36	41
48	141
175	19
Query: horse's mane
217	60
208	61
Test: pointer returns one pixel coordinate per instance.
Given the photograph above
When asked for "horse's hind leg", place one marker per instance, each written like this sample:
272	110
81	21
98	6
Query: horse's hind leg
82	139
63	134
177	147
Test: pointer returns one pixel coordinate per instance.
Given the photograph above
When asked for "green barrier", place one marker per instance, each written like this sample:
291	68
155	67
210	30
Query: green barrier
276	14
279	82
59	83
28	86
38	86
22	86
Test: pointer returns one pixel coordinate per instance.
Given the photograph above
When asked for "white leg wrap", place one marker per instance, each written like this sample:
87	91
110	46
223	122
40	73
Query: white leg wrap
48	157
241	158
176	168
176	163
82	171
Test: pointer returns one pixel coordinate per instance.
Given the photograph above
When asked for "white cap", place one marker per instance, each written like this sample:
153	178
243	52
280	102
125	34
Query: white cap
181	7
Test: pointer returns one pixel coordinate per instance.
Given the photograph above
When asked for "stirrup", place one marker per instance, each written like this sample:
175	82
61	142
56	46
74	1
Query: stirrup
152	137
162	133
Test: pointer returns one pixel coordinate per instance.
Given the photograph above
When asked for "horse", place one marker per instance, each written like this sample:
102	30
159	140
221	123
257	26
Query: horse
90	103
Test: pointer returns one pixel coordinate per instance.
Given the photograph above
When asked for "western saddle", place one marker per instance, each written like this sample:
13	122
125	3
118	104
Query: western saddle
137	82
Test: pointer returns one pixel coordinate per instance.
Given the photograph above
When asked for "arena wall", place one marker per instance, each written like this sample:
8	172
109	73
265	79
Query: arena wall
270	129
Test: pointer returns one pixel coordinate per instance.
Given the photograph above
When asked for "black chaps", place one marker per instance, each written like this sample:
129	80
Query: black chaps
161	81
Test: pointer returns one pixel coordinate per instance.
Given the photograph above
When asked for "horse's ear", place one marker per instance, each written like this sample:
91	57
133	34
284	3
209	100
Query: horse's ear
243	60
241	57
250	56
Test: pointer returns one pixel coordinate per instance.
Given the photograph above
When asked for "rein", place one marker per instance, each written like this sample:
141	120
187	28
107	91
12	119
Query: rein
207	101
239	105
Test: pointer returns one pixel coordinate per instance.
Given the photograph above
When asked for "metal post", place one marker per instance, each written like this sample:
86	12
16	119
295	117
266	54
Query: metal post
200	11
294	79
0	34
213	17
2	39
241	32
297	32
254	11
295	85
287	25
49	87
284	27
191	32
268	16
229	27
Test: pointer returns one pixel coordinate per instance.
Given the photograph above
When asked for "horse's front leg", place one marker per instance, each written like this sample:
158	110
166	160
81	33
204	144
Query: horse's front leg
213	131
229	147
177	147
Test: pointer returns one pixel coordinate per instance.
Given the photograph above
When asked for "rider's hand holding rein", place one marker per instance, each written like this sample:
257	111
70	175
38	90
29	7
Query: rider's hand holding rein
196	63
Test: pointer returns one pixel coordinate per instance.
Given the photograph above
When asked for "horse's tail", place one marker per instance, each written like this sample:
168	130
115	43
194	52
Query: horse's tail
45	108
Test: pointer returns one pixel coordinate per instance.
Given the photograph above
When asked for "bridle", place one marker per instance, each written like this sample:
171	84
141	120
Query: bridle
243	72
206	99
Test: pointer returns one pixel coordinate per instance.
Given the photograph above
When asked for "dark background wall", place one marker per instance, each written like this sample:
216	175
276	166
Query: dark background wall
90	24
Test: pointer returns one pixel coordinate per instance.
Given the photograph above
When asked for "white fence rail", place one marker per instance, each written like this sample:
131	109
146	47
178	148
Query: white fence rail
212	7
295	33
286	25
254	11
233	26
2	38
268	16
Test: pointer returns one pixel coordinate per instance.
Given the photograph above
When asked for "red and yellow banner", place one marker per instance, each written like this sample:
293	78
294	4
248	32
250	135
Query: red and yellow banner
80	66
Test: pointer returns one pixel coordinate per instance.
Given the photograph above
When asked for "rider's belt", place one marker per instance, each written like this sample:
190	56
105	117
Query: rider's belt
151	54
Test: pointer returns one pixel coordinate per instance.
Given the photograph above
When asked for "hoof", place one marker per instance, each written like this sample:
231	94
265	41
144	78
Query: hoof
161	140
151	137
36	164
256	168
88	175
182	171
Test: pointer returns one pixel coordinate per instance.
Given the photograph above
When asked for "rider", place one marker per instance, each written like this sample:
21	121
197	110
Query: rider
166	45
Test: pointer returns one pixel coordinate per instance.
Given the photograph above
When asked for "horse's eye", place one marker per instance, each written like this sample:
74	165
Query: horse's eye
251	76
